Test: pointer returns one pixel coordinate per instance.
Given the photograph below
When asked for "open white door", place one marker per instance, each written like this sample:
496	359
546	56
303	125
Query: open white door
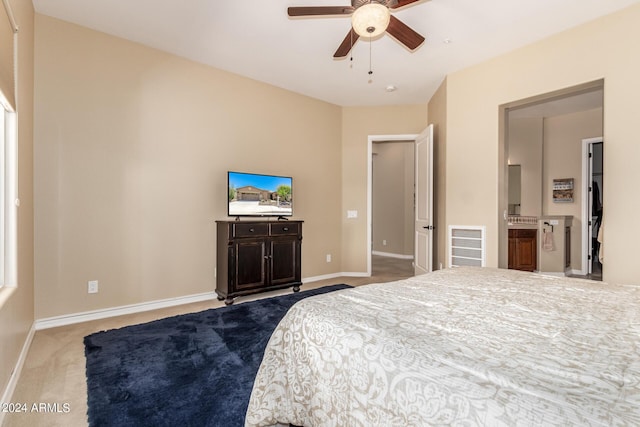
424	202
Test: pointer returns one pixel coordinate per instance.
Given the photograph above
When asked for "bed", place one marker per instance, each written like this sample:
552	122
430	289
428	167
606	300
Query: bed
462	346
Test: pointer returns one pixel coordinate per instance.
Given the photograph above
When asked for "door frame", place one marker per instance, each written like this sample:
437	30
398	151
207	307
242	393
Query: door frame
503	155
370	140
586	209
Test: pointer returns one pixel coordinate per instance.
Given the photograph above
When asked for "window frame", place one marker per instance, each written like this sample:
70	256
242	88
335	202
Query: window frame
8	194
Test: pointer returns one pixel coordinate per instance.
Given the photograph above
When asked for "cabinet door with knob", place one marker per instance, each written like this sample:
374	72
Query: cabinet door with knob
257	256
523	249
248	263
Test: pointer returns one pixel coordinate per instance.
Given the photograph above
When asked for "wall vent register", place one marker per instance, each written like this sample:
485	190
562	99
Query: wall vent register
466	246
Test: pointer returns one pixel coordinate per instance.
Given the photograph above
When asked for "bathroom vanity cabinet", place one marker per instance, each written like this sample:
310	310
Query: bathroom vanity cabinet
523	249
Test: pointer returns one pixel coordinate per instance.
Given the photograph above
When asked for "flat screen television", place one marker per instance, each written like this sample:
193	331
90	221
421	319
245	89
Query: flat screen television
253	194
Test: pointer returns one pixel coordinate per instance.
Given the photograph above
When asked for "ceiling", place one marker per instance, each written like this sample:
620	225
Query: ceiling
256	39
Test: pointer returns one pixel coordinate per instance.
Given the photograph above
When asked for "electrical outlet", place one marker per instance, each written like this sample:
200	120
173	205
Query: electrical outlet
328	257
384	243
92	286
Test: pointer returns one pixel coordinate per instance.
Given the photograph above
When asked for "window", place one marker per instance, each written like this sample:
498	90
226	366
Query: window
8	194
8	152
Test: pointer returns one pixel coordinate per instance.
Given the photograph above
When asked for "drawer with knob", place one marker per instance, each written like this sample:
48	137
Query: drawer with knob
278	229
249	230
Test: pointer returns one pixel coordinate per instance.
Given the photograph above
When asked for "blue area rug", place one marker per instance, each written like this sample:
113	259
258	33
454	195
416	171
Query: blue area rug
190	370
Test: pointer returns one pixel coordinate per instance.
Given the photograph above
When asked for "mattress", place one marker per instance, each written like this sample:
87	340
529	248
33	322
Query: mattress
463	346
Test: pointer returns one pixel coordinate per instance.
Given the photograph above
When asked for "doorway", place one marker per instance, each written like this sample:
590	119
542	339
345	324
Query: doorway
592	161
422	172
392	213
560	120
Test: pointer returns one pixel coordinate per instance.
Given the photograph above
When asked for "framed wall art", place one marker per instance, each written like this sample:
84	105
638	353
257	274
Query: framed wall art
563	190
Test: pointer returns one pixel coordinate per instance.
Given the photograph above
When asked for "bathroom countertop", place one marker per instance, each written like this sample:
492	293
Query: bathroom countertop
522	226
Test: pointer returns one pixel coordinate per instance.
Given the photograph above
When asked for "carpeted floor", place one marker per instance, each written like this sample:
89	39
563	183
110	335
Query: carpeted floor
55	367
192	369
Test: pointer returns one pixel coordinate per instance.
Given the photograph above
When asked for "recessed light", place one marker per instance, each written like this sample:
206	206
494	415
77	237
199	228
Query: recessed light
391	88
447	41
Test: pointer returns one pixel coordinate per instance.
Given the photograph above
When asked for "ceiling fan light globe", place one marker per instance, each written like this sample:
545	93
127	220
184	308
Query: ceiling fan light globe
370	20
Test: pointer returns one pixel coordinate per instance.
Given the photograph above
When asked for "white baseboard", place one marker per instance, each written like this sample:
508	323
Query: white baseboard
333	276
321	277
391	255
552	273
69	319
355	274
15	375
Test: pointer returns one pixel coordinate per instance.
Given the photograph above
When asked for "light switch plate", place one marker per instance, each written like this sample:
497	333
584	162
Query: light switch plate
92	287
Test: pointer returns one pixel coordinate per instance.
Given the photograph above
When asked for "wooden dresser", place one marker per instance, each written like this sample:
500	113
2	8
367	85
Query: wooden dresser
257	256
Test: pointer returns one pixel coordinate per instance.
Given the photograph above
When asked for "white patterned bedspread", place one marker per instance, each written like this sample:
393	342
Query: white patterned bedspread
461	347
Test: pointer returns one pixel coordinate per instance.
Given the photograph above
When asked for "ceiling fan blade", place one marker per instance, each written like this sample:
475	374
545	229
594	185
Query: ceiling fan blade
319	10
404	34
402	3
346	44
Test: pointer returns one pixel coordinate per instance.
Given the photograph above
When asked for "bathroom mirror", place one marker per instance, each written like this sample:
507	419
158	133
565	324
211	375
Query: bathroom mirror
515	184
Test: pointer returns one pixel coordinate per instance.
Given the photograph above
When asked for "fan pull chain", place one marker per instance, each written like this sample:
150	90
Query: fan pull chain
370	70
351	50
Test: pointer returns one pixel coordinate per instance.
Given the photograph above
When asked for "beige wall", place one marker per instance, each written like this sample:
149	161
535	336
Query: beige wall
563	137
392	197
16	315
132	146
408	173
358	123
593	51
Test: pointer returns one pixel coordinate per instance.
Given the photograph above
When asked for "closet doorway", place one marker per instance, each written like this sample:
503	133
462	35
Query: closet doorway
417	198
392	210
593	250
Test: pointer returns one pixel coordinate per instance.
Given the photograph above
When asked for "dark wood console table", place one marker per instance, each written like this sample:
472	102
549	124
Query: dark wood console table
257	256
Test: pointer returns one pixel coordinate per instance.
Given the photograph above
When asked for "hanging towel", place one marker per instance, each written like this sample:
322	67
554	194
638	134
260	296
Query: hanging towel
601	241
547	241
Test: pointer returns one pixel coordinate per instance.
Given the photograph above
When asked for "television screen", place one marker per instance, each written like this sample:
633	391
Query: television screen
259	195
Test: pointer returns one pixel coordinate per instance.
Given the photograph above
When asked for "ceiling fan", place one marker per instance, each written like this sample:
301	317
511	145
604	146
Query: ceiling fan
369	18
